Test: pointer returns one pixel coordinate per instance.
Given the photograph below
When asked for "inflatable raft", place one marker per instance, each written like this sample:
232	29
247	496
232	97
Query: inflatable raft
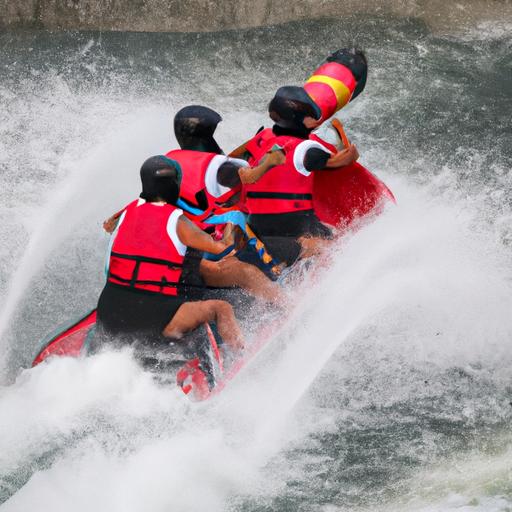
341	196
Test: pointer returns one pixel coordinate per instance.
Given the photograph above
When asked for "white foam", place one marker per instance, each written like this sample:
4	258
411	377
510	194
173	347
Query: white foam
428	282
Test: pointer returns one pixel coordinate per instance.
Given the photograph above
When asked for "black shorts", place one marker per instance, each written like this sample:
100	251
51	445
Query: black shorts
124	311
280	232
293	224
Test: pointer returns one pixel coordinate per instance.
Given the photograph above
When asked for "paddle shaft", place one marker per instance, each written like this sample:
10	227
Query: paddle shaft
336	124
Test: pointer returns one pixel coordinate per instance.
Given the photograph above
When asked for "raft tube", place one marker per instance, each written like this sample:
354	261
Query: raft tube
70	339
342	195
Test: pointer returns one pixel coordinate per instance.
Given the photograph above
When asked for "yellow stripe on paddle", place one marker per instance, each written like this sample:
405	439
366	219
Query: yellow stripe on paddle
341	91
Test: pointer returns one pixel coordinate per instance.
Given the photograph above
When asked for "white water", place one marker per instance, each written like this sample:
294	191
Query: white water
94	181
425	280
426	288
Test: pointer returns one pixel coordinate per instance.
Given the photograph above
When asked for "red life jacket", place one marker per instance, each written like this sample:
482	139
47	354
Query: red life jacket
194	189
143	254
282	189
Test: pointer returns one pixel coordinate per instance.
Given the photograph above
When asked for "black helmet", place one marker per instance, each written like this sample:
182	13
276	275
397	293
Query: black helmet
290	106
355	60
161	178
194	127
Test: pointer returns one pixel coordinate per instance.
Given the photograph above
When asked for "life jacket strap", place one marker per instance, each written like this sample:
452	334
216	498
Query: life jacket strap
280	195
146	259
133	281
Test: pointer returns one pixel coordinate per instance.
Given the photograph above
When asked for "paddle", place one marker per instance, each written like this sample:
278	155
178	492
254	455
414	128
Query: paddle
336	124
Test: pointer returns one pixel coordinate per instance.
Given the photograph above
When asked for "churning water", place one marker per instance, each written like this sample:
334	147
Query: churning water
390	386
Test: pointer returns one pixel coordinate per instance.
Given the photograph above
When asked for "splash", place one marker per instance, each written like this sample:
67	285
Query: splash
110	423
103	177
392	371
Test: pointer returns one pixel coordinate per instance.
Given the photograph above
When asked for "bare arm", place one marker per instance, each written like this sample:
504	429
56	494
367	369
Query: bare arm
346	156
239	151
110	224
193	237
343	157
253	174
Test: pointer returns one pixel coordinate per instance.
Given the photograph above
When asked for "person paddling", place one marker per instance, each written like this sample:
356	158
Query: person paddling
145	293
280	203
212	181
211	185
210	178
